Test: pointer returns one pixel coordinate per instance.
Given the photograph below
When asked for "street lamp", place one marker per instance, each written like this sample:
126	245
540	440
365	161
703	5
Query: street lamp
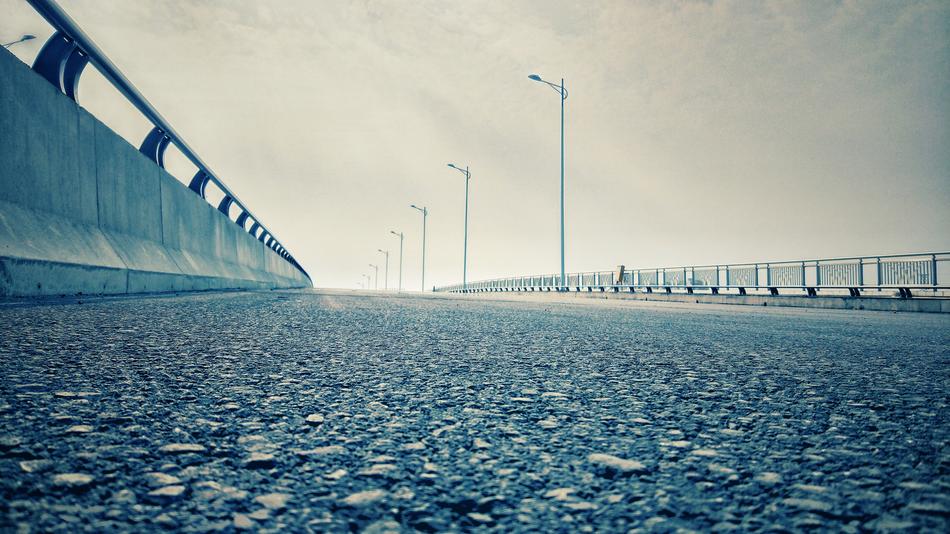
561	90
425	213
400	236
376	284
366	276
468	176
26	37
386	282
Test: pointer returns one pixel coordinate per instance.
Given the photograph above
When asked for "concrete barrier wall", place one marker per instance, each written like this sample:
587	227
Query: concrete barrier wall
82	211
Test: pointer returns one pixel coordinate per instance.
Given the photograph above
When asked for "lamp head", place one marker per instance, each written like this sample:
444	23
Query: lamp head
28	37
535	77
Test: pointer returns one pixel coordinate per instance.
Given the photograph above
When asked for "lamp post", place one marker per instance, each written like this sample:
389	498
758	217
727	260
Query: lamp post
386	283
425	213
561	90
376	283
400	236
468	176
366	276
26	37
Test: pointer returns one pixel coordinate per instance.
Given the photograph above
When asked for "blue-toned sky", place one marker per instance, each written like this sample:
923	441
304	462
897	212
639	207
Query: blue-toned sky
697	132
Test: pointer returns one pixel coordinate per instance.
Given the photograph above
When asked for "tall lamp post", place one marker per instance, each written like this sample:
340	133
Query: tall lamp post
425	213
561	90
468	176
376	280
386	283
26	37
400	236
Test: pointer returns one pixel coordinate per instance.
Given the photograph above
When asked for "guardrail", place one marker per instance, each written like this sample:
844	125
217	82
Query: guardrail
906	273
62	60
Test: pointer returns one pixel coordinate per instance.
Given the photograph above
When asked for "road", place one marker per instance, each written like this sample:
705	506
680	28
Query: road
354	412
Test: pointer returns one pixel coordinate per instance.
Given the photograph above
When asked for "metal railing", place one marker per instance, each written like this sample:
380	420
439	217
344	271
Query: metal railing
902	272
62	60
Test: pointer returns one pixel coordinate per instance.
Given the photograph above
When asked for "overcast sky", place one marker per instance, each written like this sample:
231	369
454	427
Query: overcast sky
697	132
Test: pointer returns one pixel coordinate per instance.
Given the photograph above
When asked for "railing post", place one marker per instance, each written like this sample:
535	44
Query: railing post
880	272
817	273
242	219
199	183
225	205
61	62
860	272
755	278
154	145
804	283
768	274
933	268
728	281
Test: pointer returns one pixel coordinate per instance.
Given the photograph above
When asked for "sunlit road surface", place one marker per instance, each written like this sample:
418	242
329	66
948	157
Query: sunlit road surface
349	412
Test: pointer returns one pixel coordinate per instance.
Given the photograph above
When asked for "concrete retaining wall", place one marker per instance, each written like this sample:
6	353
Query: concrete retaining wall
82	211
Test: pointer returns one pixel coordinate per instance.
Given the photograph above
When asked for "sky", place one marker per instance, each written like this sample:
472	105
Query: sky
695	132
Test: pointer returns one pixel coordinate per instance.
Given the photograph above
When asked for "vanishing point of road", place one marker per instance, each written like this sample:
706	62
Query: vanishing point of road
341	411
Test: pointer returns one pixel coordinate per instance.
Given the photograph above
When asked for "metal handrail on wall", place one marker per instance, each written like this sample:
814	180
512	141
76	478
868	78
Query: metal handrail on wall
62	60
903	272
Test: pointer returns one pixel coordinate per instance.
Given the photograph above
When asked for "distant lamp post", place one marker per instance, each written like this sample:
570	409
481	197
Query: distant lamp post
425	213
376	280
366	276
561	90
400	236
468	176
386	282
26	37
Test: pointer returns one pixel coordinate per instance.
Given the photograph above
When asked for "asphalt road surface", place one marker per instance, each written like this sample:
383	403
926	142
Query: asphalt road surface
347	412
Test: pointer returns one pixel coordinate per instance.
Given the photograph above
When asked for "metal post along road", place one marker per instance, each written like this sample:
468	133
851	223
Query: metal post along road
468	176
386	282
425	213
26	37
400	236
561	90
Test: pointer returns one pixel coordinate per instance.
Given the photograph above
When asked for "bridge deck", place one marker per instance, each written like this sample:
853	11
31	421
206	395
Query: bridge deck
444	412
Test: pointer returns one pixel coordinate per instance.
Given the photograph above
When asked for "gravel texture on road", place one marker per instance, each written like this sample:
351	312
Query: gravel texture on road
328	411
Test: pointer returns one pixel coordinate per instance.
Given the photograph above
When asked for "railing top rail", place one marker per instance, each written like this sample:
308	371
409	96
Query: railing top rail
790	262
61	21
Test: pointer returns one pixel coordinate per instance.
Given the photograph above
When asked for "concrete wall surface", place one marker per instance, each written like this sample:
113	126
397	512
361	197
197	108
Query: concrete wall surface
84	212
